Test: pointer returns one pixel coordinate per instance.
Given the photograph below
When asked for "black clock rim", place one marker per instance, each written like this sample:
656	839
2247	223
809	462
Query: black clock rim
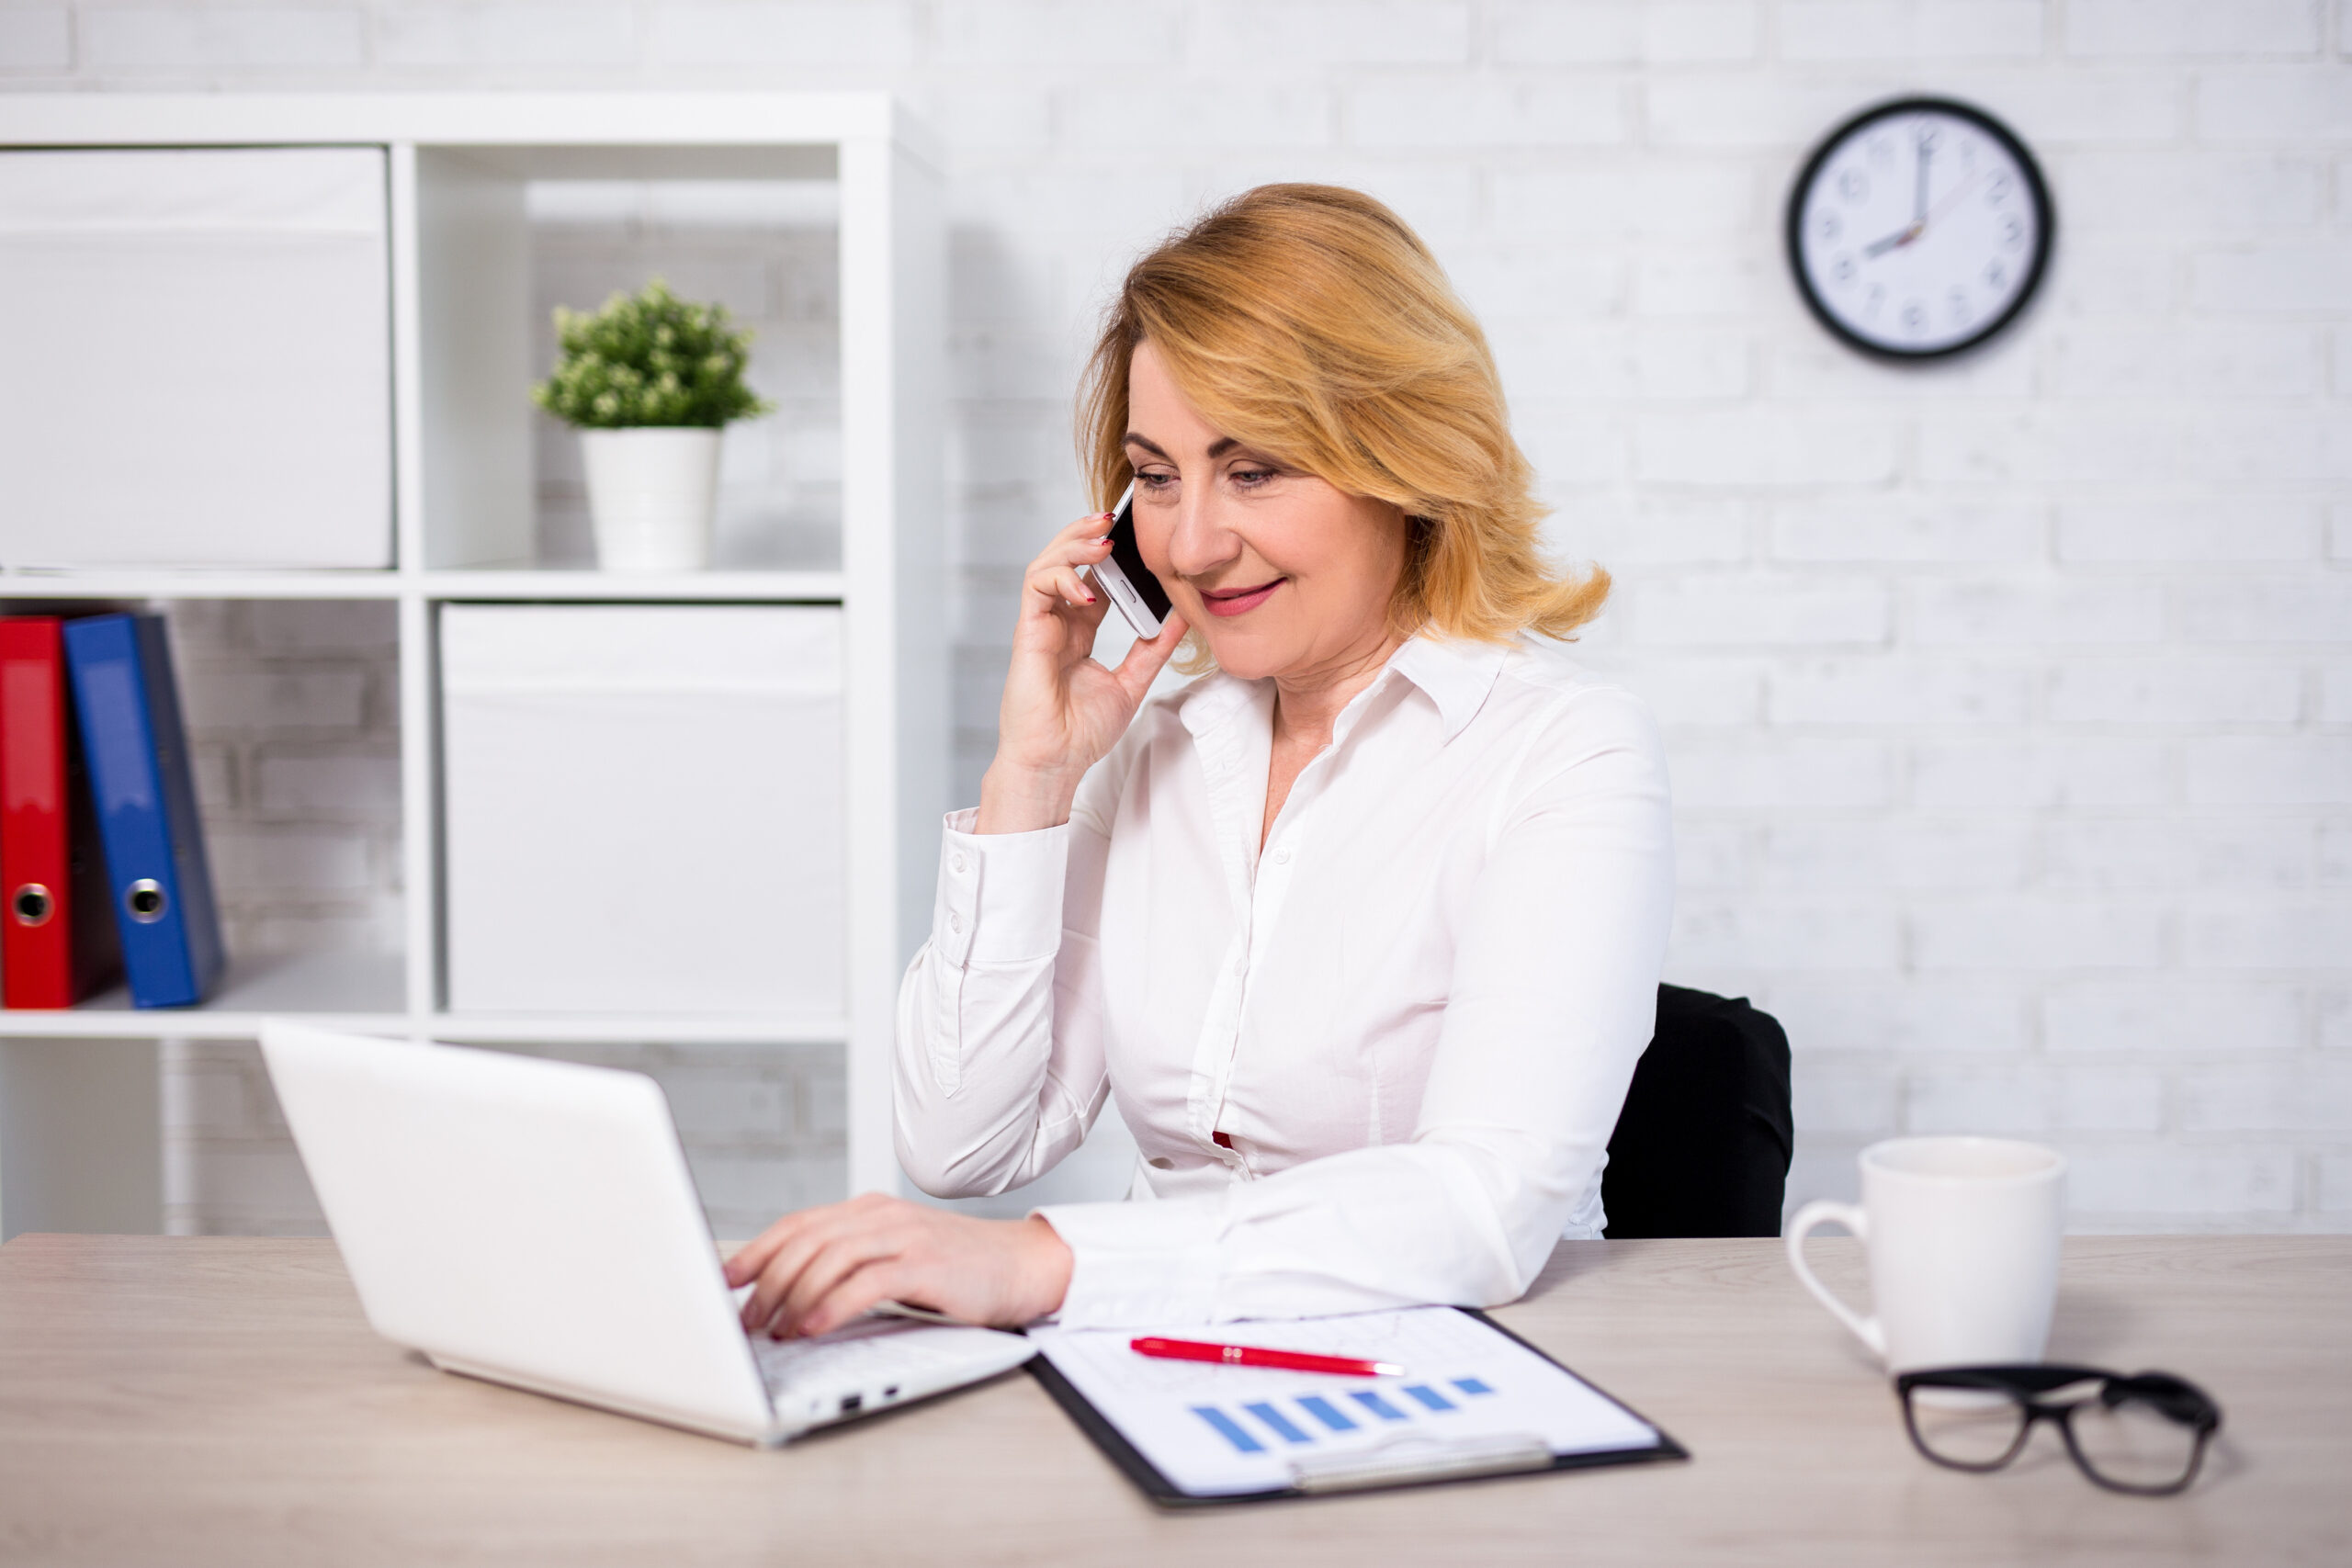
2045	210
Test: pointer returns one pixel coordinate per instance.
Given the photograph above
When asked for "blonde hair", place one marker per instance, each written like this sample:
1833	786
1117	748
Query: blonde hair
1309	322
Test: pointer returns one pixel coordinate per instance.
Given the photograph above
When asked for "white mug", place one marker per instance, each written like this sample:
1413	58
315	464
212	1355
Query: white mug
1963	1239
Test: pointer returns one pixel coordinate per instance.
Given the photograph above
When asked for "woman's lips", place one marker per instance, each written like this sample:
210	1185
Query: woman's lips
1242	603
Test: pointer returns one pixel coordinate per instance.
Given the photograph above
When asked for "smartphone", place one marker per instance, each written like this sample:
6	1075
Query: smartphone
1124	576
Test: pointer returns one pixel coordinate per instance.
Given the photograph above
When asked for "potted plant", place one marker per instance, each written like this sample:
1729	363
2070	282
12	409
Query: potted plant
650	381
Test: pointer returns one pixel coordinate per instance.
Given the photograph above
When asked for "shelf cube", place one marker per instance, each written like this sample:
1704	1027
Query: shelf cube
197	370
644	808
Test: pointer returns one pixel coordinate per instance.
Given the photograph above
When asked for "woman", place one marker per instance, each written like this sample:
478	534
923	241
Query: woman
1363	927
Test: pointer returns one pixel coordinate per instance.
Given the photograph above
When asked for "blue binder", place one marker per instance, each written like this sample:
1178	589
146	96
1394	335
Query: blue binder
145	791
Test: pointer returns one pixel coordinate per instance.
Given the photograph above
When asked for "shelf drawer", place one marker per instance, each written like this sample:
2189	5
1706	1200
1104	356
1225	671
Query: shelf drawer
197	370
644	808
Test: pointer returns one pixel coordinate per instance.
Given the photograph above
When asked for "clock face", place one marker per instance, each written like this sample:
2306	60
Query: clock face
1919	229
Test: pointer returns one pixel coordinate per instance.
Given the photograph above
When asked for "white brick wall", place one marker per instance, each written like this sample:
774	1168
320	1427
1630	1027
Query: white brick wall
293	712
2010	701
36	38
237	39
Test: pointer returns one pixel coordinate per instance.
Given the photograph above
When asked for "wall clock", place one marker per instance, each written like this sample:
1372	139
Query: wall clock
1919	229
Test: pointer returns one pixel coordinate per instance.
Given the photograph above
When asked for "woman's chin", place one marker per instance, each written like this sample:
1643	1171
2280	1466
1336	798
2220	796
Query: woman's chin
1243	656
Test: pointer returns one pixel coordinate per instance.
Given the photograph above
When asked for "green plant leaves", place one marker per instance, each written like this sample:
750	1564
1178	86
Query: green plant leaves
648	360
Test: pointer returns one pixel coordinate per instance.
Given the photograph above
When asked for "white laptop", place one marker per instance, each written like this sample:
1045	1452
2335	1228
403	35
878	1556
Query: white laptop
533	1223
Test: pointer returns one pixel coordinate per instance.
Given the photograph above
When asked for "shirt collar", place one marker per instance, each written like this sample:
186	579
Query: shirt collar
1455	676
1217	699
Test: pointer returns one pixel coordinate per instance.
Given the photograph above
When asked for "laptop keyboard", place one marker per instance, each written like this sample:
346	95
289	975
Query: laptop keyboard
886	1352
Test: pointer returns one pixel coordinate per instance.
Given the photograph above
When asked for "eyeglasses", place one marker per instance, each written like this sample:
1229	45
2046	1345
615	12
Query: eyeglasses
2144	1434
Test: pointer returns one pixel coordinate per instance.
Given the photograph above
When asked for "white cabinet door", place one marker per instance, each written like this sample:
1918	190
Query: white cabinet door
195	359
644	808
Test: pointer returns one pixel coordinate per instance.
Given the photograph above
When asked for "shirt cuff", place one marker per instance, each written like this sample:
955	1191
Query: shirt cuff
1000	897
1138	1264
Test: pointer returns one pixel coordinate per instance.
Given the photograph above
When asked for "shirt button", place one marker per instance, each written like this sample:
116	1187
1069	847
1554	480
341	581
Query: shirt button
1281	857
957	863
956	923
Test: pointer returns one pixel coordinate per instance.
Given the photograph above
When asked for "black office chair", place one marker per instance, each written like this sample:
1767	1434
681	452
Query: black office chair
1702	1147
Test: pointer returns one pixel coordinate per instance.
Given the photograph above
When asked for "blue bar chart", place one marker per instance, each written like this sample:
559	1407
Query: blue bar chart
1257	1425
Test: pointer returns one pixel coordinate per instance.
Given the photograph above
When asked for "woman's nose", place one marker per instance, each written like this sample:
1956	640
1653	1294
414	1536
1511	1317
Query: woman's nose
1200	543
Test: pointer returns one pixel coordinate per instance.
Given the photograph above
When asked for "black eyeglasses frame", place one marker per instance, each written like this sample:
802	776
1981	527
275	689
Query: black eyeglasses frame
2175	1397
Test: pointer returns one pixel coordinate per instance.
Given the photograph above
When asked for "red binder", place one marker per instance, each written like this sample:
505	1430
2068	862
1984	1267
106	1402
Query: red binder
57	938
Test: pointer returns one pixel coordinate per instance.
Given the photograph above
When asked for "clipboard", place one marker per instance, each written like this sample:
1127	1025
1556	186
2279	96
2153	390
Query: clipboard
1389	1465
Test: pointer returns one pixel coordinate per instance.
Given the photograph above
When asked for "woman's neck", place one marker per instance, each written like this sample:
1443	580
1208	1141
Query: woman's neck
1307	702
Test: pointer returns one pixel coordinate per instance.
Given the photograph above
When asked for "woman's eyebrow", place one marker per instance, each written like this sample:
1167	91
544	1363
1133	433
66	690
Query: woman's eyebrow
1217	448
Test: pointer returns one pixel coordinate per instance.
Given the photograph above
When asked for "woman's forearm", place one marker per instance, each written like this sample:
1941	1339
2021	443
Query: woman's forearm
998	1070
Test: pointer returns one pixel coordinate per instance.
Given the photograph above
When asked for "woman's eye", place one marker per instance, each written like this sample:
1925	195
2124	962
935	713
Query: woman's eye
1154	481
1252	476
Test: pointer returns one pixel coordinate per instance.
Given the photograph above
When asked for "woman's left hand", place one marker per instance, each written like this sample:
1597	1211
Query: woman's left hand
820	1268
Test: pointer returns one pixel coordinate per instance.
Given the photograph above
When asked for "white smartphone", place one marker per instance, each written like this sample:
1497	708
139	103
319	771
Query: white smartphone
1124	576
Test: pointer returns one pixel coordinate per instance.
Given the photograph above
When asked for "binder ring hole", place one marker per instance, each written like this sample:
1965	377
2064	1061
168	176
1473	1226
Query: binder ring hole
146	900
32	905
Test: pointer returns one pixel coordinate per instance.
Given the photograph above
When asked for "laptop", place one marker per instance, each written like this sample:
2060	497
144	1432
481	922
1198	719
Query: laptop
533	1223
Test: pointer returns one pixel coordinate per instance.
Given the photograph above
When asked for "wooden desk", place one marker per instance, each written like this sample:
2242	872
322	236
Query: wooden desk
184	1402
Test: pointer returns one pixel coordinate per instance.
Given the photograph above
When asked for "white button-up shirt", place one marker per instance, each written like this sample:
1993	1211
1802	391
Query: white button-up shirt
1376	1064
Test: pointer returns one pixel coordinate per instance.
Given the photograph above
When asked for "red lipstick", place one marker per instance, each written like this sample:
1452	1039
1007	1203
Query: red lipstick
1240	601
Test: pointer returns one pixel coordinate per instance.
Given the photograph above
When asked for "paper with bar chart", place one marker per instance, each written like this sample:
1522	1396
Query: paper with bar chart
1217	1430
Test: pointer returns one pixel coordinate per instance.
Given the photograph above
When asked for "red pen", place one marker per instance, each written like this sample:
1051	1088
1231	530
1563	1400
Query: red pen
1256	1356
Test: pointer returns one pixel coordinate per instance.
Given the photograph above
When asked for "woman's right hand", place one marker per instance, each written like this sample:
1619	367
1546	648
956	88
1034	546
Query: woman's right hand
1062	711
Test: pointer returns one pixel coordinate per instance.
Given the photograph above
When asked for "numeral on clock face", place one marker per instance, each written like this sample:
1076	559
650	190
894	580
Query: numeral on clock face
1926	203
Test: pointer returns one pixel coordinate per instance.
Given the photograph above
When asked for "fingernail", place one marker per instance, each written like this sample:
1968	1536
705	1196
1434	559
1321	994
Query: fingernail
1090	598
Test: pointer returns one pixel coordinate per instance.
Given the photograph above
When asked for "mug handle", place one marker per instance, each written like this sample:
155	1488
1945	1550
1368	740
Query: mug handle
1821	1212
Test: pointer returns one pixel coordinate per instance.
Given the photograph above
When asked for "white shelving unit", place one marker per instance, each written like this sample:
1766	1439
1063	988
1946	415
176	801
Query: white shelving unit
464	510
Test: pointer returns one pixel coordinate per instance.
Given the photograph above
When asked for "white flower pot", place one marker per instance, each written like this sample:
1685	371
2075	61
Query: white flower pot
651	493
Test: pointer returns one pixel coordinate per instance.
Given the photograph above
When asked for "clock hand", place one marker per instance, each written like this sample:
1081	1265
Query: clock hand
1902	236
1946	204
1917	226
1919	189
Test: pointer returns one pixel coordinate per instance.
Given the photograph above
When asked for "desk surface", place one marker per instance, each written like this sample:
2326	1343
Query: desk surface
219	1401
